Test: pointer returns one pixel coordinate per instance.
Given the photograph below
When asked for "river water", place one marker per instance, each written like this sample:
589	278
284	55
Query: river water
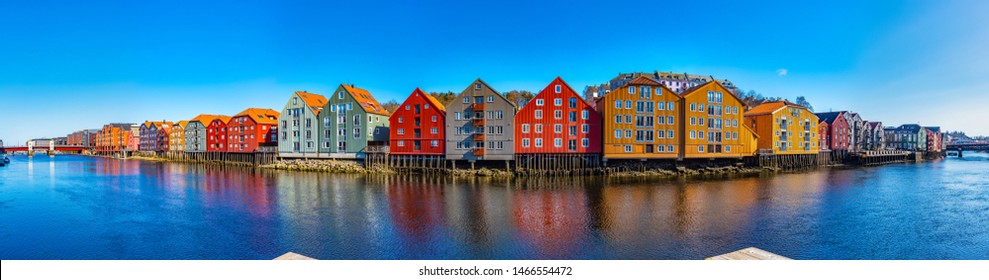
78	207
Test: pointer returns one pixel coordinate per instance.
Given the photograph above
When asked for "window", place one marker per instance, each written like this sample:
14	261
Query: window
557	142
628	148
525	128
700	148
585	128
434	131
539	114
558	128
558	88
466	99
539	102
628	118
539	142
628	133
295	101
572	130
618	134
400	120
558	102
558	114
477	86
693	134
669	106
584	114
357	119
539	128
644	92
525	142
660	148
693	107
573	102
433	118
401	131
669	134
490	99
628	104
669	148
618	119
401	143
585	142
631	90
618	104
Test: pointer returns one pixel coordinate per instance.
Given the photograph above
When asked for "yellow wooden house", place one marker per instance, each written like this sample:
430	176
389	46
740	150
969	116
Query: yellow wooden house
712	123
784	128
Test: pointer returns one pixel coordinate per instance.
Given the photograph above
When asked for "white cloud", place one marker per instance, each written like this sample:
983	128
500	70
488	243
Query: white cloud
782	72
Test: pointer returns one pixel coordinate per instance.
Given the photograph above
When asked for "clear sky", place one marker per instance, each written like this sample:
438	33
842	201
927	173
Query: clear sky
70	65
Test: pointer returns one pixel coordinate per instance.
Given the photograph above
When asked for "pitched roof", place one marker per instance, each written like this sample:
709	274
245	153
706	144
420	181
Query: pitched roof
829	117
873	125
933	128
311	99
771	107
182	124
260	115
502	96
432	100
365	99
716	84
223	119
643	80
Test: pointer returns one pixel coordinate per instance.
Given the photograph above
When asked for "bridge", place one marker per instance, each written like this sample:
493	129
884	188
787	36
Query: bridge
960	147
50	149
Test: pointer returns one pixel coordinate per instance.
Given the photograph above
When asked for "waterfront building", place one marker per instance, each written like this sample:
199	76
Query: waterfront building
558	121
195	132
858	136
84	138
749	140
712	119
117	137
480	112
677	82
934	139
352	123
418	126
823	135
176	137
641	119
163	137
299	128
251	129
839	131
785	128
876	140
216	134
907	137
149	136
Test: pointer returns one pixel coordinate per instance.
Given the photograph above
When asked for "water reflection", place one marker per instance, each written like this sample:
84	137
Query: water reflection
106	208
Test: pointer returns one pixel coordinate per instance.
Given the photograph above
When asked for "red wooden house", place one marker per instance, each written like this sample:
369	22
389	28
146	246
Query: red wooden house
216	135
557	121
840	130
163	135
251	129
824	135
417	126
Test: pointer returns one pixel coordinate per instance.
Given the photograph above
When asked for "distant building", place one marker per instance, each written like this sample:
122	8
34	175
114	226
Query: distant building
677	82
934	139
176	137
196	132
907	137
876	136
823	135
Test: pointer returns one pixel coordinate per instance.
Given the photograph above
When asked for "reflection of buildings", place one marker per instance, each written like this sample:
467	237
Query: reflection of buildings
553	221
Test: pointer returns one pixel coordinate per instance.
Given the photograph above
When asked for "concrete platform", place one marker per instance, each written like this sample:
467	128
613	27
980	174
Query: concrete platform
293	257
750	253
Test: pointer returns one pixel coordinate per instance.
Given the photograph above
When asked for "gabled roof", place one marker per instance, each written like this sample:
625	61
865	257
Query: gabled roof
560	81
182	124
643	80
312	100
771	107
502	96
223	119
933	128
205	118
873	125
716	84
364	98
829	117
260	115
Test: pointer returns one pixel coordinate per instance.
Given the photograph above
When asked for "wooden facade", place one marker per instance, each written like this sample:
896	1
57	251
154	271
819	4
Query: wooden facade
481	126
195	132
216	135
252	128
640	120
176	138
350	122
784	127
298	125
712	121
557	121
840	131
418	126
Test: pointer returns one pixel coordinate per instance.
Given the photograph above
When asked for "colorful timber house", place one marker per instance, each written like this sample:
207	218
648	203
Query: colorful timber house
353	123
641	120
149	135
418	126
195	133
176	137
216	134
712	121
299	125
557	123
839	130
784	128
252	129
482	126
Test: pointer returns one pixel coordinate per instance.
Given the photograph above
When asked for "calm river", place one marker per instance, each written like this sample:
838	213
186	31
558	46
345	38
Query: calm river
77	207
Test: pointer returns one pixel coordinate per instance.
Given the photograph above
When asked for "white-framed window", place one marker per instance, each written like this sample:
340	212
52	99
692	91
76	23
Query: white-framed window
628	104
618	119
558	102
669	106
558	114
693	134
660	148
401	143
539	128
584	114
700	148
631	90
525	142
539	114
457	115
558	128
669	134
558	88
400	131
490	99
628	148
539	142
618	134
357	133
628	133
433	118
466	99
669	120
585	128
557	142
525	128
618	104
539	102
400	120
584	142
434	130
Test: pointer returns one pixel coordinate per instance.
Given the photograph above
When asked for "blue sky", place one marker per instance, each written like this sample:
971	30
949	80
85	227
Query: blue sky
69	65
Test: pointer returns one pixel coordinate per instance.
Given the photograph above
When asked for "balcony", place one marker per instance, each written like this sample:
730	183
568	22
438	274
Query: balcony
479	152
478	137
478	122
477	107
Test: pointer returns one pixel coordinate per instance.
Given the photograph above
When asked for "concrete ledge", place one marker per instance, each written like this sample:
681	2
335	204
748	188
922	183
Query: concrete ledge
293	257
750	253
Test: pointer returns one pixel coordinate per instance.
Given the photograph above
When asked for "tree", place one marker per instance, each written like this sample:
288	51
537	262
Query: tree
443	97
802	101
519	97
391	106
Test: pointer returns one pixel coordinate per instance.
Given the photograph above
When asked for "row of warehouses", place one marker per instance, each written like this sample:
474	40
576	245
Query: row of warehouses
639	118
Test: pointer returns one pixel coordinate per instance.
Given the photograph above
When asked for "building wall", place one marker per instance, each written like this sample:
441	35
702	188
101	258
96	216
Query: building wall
347	128
176	138
840	133
296	138
195	137
823	135
462	146
431	127
216	136
789	130
693	107
580	124
624	108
